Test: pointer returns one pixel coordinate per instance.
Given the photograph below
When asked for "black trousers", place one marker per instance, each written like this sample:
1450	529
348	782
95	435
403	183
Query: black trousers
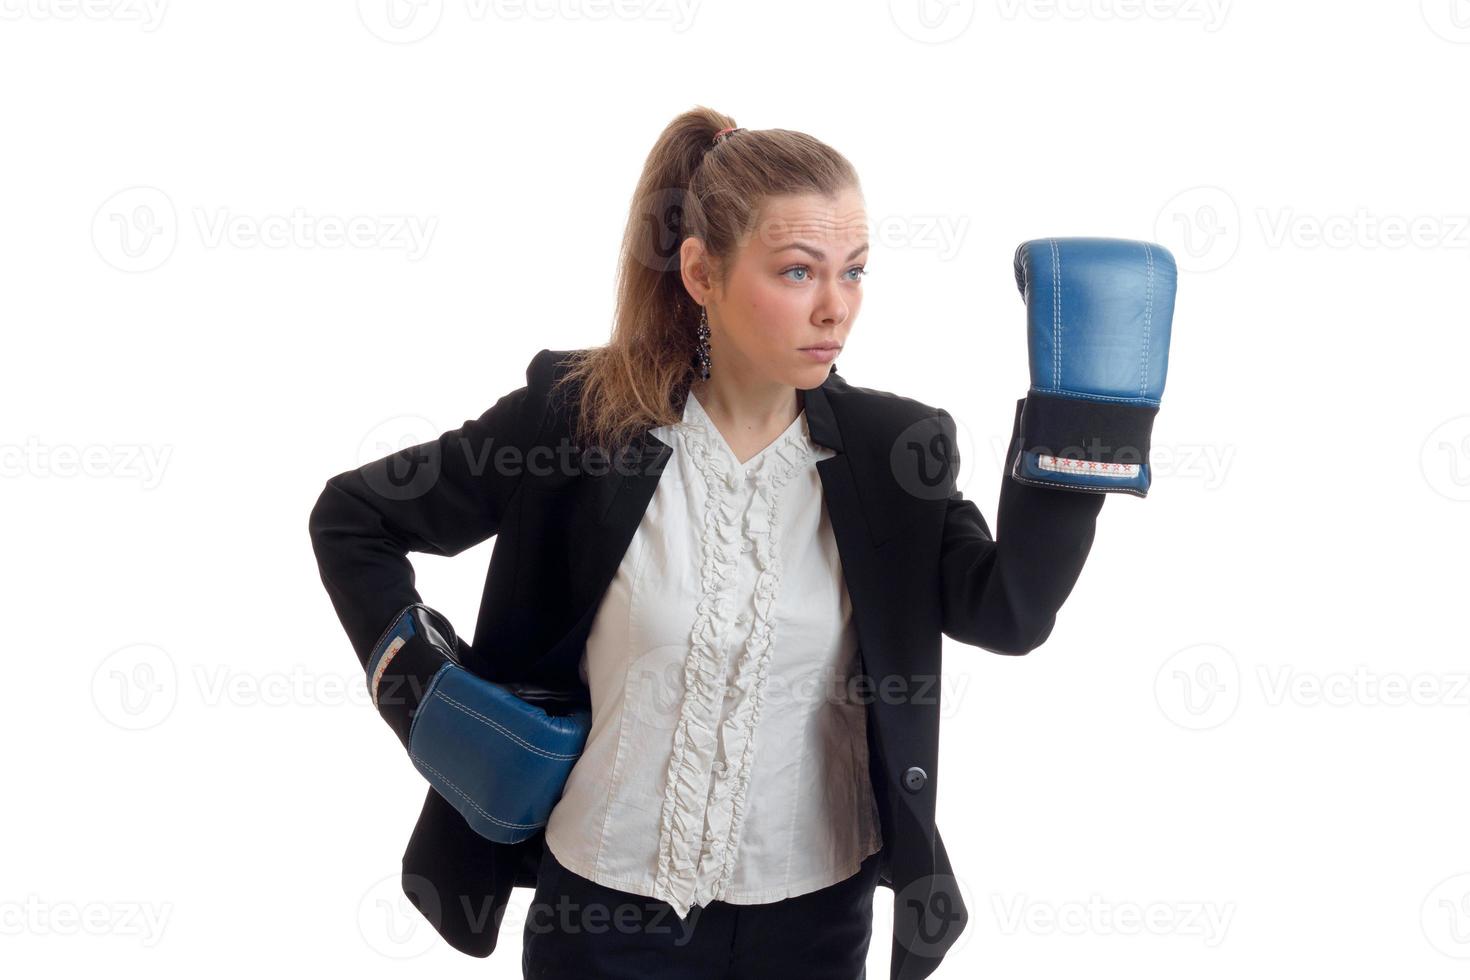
577	929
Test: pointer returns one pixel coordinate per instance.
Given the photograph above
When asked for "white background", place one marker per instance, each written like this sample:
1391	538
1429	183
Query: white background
1249	727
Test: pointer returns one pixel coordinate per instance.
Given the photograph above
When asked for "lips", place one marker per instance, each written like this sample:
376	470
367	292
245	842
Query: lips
824	347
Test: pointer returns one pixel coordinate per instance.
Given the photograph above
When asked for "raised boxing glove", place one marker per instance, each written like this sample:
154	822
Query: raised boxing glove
1098	316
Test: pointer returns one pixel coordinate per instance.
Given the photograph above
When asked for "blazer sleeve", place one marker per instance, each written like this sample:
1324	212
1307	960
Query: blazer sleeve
439	497
1003	593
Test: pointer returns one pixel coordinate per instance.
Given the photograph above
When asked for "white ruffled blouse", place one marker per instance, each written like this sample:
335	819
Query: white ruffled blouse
728	754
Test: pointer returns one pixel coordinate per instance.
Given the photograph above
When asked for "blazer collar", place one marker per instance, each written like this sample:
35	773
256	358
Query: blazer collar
819	419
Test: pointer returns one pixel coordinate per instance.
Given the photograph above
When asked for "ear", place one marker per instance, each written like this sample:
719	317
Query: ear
696	268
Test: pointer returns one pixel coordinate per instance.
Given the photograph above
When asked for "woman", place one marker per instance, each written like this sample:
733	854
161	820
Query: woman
753	591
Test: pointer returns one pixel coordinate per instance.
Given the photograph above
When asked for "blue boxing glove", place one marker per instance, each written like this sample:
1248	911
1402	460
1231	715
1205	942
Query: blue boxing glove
499	753
1098	314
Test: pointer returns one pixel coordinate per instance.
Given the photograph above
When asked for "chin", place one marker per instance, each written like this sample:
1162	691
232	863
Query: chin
813	375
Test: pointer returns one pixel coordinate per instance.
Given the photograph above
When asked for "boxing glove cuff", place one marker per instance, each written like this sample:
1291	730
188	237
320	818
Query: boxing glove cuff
416	646
1081	443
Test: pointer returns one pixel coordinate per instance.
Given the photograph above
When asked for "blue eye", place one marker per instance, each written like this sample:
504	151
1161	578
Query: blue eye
860	270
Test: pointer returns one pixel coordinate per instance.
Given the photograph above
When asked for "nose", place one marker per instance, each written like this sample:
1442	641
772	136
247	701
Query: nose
832	309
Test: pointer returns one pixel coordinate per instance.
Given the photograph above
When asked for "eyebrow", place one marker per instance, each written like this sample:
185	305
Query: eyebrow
818	254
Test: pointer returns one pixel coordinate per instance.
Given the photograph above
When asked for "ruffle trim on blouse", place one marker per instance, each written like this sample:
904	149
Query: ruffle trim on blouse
683	846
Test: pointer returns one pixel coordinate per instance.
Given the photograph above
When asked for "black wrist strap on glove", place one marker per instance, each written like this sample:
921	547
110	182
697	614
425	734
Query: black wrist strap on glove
417	644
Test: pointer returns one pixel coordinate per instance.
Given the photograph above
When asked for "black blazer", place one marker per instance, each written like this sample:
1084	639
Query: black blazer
918	560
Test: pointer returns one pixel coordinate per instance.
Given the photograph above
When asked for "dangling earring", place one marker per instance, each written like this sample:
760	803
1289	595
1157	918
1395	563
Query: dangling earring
703	351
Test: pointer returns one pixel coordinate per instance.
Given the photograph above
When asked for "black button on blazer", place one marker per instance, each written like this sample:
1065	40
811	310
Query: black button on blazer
918	560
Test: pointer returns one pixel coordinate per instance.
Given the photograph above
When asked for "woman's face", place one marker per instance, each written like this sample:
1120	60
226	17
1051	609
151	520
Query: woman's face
796	282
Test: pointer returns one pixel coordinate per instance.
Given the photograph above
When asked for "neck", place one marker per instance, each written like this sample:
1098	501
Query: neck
738	406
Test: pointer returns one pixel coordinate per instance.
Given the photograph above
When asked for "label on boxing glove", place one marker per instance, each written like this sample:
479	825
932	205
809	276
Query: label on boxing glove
1087	467
394	647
